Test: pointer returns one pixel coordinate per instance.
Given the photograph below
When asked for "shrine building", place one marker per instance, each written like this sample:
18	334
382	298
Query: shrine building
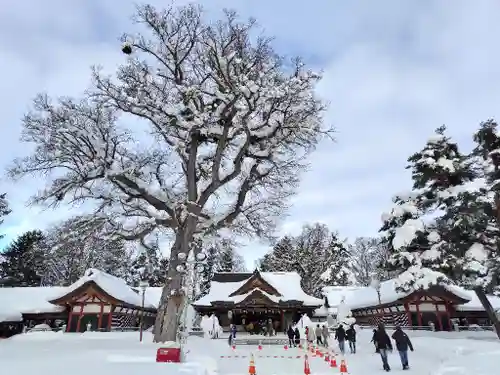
244	298
438	306
97	301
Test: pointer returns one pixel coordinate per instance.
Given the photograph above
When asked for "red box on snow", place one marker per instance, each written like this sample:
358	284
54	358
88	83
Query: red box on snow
168	355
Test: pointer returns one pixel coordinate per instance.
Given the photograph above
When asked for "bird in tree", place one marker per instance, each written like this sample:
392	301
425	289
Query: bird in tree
230	126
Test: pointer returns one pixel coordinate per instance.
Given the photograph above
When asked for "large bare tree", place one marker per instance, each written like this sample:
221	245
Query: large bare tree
214	131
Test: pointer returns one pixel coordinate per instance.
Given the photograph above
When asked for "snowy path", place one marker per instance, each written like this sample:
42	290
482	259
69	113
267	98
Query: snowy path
122	354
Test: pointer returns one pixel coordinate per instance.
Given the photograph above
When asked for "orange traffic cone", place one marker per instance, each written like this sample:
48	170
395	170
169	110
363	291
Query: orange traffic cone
259	347
307	369
285	347
333	361
327	357
343	367
251	366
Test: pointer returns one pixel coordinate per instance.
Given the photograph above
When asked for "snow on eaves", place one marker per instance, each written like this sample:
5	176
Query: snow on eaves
112	285
362	297
286	283
16	301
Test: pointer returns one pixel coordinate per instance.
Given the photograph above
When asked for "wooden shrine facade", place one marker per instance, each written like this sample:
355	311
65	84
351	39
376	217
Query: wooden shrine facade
434	306
89	307
255	300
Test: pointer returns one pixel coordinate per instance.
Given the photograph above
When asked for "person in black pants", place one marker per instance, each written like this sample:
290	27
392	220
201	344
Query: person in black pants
384	345
351	337
291	335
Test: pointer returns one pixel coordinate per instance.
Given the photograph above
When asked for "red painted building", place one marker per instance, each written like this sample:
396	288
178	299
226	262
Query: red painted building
97	301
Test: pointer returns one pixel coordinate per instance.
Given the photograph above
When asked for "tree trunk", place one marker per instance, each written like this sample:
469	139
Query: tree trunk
169	309
489	309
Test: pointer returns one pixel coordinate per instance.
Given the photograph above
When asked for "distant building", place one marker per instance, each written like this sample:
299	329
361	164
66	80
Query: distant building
437	306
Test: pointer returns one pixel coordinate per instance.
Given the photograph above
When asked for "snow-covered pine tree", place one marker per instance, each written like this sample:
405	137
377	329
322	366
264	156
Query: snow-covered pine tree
313	257
281	258
227	259
340	270
482	259
445	181
208	271
4	209
231	124
149	265
23	260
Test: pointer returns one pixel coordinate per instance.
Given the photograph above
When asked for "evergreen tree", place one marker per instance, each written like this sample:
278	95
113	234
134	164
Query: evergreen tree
4	209
23	260
463	239
208	272
281	258
228	260
149	265
340	271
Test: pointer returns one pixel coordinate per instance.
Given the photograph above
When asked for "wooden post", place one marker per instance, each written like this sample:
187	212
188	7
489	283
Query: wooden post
80	315
69	319
419	315
408	314
110	317
99	322
438	316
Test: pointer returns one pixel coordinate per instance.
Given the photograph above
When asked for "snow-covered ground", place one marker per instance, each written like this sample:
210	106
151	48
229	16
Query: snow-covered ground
120	353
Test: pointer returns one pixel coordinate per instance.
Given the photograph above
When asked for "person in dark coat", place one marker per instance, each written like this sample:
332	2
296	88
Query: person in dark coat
297	336
291	334
402	344
384	345
340	337
351	337
373	340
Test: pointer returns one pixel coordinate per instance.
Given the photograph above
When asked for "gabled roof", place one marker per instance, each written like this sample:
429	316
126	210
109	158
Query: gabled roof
286	285
114	288
253	282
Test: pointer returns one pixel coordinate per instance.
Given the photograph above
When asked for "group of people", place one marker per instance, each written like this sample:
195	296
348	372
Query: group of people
321	335
383	345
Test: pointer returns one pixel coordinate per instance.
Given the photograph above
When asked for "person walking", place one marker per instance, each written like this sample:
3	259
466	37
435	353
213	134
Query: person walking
291	334
373	340
384	345
351	337
402	344
297	336
326	334
340	337
319	333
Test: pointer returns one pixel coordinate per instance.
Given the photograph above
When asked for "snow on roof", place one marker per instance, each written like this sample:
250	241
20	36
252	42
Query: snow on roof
112	285
360	297
474	304
286	283
18	300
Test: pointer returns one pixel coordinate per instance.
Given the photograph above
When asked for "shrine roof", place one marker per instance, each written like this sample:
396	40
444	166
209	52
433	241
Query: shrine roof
112	286
235	287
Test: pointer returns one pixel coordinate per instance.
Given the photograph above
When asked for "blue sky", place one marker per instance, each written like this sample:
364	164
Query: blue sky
393	71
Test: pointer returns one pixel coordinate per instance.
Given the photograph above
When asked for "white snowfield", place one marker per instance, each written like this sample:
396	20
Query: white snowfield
48	353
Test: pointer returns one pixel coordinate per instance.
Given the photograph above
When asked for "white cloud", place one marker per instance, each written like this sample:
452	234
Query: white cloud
393	71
